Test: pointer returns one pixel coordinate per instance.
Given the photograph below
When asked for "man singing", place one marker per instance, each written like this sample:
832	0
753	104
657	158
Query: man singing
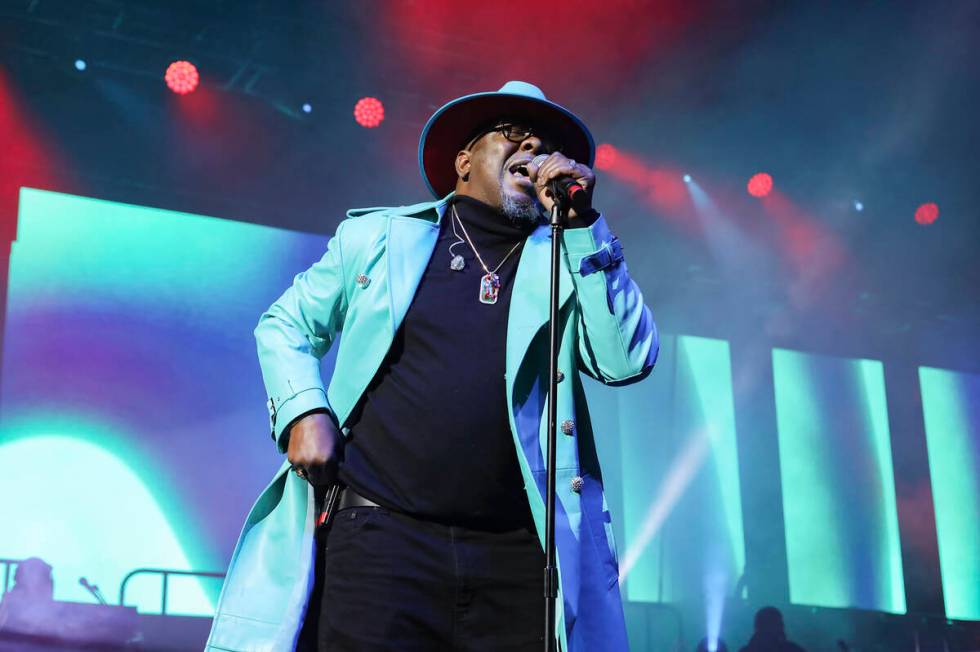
434	420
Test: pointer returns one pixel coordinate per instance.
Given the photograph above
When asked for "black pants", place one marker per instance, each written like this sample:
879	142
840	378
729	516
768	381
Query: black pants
387	581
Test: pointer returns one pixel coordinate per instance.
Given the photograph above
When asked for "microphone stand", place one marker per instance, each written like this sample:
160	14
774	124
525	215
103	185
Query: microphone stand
559	214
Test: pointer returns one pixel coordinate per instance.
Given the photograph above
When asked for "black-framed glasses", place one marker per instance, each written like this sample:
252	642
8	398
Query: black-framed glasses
518	132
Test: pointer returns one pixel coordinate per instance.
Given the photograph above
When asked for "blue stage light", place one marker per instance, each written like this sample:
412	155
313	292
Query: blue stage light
687	178
307	107
858	206
80	65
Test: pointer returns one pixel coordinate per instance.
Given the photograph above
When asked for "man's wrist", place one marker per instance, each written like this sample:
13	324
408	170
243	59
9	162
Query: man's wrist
300	417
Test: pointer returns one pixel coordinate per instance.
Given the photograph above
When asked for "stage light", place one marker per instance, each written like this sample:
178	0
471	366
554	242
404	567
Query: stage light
80	65
182	77
858	206
605	156
926	214
760	185
687	178
369	112
307	108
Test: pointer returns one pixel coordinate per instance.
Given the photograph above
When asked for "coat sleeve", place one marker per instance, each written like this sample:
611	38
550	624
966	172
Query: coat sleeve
617	338
295	332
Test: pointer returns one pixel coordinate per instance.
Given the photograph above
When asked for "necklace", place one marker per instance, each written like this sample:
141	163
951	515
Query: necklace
489	282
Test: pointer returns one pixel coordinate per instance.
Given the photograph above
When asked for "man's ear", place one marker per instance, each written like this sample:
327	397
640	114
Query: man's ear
463	163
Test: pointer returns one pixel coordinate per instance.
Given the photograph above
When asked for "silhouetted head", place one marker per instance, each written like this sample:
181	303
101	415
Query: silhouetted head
769	623
33	577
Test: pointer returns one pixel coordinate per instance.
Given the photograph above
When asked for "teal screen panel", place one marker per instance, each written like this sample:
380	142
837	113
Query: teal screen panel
842	538
134	431
951	408
682	512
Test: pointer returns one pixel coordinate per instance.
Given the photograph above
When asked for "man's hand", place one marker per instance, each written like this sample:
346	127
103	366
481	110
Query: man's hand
558	165
314	449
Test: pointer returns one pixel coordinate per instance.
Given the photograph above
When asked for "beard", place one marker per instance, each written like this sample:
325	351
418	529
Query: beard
523	211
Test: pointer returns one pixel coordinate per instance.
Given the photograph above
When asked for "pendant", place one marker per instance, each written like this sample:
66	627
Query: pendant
489	288
457	263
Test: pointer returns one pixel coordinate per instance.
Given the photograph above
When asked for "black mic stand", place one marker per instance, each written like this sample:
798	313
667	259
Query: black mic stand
559	214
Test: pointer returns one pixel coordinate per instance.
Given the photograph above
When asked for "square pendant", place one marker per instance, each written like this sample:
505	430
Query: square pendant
489	288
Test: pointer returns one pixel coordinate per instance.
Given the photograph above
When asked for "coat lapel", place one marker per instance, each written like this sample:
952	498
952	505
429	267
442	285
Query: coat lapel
529	301
410	245
410	238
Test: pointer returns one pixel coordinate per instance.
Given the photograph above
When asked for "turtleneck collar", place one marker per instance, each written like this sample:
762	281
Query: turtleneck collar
481	217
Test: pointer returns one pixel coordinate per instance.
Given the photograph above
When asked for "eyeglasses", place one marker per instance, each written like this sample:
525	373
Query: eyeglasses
517	132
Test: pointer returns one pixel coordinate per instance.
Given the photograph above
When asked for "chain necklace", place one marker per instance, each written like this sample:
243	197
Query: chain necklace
489	282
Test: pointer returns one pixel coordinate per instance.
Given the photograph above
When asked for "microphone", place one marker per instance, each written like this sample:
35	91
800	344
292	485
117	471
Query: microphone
93	589
565	189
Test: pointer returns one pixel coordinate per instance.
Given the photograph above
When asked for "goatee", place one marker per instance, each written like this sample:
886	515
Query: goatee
523	212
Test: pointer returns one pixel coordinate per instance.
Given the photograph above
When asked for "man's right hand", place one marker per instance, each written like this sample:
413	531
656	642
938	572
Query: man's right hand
315	446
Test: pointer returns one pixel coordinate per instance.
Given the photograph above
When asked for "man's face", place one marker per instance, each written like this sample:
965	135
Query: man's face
496	169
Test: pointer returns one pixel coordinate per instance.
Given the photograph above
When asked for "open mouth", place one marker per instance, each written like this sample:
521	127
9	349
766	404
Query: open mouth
520	171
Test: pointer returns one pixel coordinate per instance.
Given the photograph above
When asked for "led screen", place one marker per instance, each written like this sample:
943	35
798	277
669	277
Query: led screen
134	431
951	408
842	541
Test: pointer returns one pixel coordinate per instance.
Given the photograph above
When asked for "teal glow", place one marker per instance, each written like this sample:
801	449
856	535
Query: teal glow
128	338
98	520
953	441
681	493
104	254
839	505
710	364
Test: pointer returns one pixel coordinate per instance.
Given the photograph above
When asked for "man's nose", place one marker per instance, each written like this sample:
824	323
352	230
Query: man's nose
532	144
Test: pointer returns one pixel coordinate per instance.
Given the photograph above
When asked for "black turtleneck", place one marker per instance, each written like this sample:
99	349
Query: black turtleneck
431	436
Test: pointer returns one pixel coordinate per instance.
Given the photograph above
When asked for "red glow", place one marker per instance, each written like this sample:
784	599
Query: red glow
29	157
182	77
605	156
617	48
813	250
659	186
760	185
369	112
926	214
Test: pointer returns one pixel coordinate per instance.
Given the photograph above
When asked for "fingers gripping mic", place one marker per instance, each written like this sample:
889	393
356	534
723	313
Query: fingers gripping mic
565	189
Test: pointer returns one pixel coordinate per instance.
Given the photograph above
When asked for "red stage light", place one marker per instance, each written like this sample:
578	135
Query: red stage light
927	213
369	112
760	185
182	77
605	156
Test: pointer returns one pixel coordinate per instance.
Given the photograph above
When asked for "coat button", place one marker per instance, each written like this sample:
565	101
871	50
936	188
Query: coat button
363	280
577	484
568	426
561	376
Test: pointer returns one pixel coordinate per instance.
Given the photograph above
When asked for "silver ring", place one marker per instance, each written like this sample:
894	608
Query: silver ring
300	471
572	162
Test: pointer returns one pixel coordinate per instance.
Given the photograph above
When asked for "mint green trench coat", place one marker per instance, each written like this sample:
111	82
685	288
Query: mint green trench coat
360	291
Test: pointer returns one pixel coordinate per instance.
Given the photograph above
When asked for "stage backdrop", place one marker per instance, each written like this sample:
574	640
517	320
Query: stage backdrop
134	431
134	427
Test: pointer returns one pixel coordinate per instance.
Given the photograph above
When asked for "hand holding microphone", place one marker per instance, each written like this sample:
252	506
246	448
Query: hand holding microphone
557	175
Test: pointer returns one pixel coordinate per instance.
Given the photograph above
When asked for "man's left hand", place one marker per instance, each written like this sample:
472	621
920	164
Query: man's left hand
558	165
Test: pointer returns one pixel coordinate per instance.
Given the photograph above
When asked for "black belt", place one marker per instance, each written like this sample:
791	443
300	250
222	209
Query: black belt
350	498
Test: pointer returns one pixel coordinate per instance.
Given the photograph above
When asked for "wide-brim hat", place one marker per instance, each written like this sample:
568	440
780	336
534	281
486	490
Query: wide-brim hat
447	131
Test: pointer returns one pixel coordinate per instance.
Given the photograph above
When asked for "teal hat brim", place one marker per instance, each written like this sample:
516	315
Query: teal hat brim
446	131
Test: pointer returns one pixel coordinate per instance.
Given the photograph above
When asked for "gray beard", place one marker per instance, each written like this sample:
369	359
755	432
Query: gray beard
522	212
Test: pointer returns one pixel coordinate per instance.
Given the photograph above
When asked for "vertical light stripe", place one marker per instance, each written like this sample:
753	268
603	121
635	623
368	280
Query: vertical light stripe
953	444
